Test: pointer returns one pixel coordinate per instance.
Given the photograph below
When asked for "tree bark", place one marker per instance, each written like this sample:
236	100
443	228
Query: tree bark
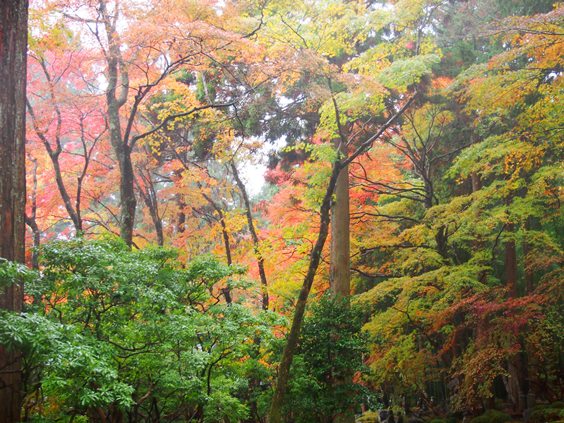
340	268
514	366
476	181
117	76
13	50
31	220
511	263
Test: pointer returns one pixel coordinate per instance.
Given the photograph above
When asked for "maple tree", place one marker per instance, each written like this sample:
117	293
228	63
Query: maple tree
402	256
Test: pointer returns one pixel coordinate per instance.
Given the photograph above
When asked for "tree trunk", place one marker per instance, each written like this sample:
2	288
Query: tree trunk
340	267
127	180
76	221
181	216
31	220
476	181
276	407
511	263
256	243
117	76
13	49
514	365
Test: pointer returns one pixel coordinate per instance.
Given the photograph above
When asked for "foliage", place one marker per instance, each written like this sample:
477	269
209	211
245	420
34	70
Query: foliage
547	413
493	416
115	331
455	209
332	347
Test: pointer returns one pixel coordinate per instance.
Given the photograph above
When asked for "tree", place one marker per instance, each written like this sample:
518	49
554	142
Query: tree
136	64
65	119
13	48
315	256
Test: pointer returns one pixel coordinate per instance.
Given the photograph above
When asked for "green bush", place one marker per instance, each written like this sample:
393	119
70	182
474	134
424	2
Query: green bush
492	416
547	413
330	352
121	331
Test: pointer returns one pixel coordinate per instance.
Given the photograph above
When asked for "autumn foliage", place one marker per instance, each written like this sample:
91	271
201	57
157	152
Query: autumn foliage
209	137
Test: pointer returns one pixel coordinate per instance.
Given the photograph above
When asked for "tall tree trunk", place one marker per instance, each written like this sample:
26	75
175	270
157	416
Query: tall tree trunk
340	267
511	262
276	407
127	180
513	384
476	181
118	78
256	242
31	220
13	49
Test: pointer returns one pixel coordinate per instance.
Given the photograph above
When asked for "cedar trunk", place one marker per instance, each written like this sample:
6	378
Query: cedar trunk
340	268
513	385
13	49
340	272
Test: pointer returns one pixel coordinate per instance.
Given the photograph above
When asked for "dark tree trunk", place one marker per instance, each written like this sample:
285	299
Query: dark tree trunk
13	49
118	78
76	221
276	407
225	236
514	366
256	243
31	220
511	263
476	181
127	179
181	217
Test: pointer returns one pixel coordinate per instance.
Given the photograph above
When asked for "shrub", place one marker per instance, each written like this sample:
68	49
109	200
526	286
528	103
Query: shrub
492	416
547	413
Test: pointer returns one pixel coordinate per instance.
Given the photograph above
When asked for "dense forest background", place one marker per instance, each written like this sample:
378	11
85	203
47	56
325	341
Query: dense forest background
401	262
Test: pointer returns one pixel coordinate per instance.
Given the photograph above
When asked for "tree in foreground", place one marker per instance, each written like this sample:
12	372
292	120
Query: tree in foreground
13	49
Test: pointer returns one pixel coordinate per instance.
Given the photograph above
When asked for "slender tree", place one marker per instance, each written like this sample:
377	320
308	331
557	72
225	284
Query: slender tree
276	407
